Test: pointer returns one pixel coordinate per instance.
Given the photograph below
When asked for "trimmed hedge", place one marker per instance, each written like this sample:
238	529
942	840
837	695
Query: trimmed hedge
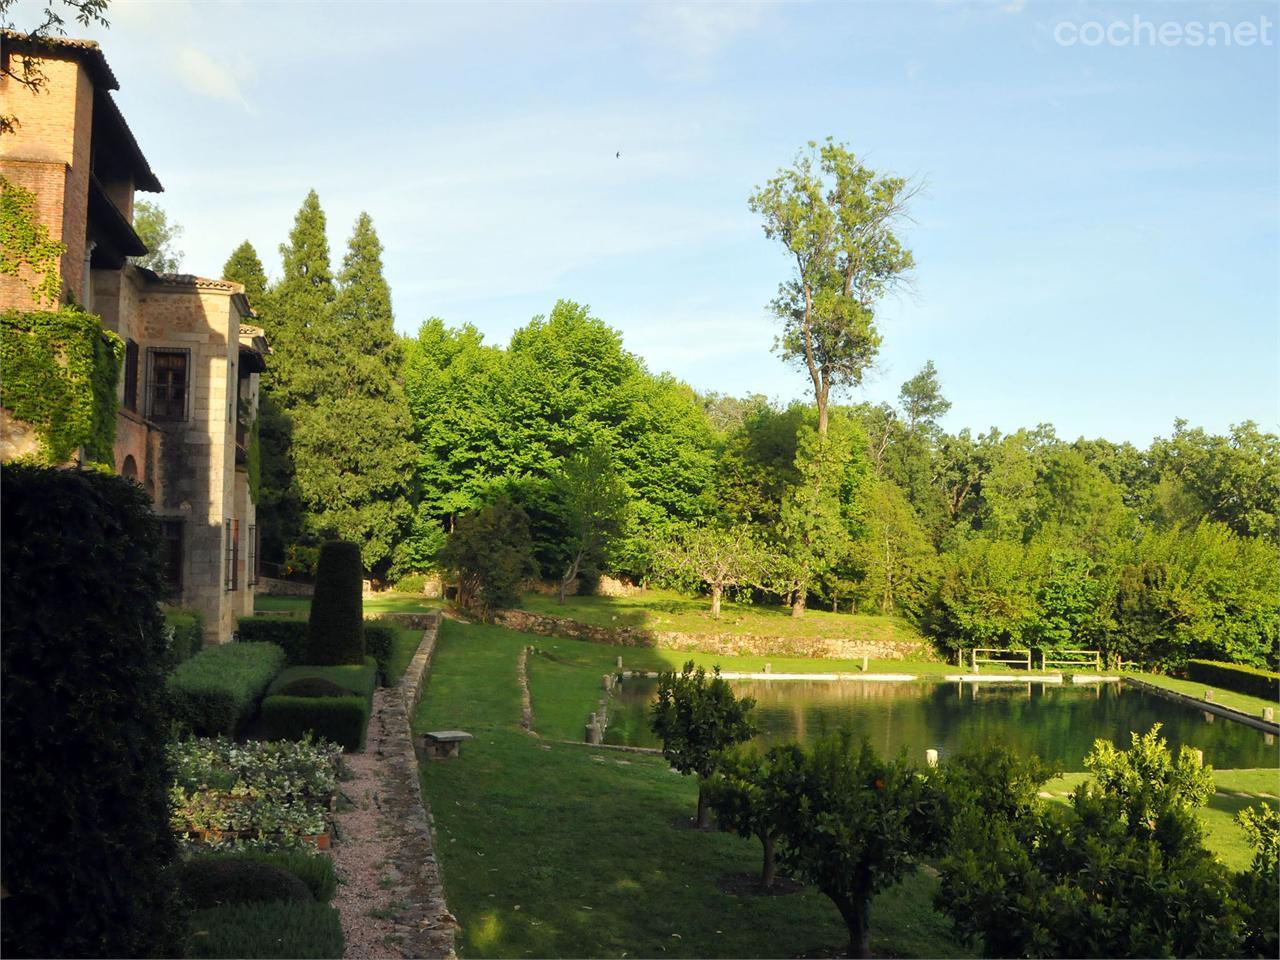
216	691
1252	681
379	641
314	869
359	679
267	930
335	632
218	881
84	781
186	629
289	635
339	719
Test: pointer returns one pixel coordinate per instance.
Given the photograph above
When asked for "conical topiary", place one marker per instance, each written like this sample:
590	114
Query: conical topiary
335	634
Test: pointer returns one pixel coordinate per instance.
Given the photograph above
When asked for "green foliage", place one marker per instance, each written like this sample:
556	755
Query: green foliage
291	931
216	881
350	443
217	691
592	505
490	553
418	551
185	635
698	719
289	635
83	719
1122	873
1258	887
894	555
25	244
314	869
835	218
341	720
1253	681
335	632
985	597
60	375
751	794
380	642
719	557
158	235
853	824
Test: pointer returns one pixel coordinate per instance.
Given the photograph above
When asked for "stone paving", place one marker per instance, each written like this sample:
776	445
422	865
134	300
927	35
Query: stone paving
390	895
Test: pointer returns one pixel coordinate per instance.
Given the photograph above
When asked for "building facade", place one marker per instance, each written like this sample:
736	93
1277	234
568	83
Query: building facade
188	390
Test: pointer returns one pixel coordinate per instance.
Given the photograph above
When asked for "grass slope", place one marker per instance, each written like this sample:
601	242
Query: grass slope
1193	688
667	610
554	850
298	608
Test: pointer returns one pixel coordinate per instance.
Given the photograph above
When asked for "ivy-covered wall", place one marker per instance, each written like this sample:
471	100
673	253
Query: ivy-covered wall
58	372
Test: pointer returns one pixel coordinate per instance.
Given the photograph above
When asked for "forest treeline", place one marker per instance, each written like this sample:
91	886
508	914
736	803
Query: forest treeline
981	539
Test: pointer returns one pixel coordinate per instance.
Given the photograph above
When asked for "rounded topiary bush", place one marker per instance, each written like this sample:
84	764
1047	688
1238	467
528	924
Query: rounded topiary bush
83	775
313	687
219	881
335	632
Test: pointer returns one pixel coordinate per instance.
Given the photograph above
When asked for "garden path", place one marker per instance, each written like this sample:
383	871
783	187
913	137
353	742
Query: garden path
390	894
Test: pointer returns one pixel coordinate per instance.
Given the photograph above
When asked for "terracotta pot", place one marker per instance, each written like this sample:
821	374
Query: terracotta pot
320	840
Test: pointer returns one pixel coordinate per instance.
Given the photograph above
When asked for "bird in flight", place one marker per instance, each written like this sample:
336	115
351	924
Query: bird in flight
618	155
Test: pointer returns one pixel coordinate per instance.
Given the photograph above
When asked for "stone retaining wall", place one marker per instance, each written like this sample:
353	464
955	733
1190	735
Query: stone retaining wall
271	587
724	644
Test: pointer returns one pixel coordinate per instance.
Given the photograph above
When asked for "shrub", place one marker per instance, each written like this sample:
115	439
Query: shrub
289	635
358	679
340	719
184	633
379	642
313	687
219	880
1252	681
314	869
411	583
335	632
268	930
217	690
491	552
83	775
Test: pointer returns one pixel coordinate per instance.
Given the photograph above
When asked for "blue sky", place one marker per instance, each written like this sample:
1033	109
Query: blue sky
1096	247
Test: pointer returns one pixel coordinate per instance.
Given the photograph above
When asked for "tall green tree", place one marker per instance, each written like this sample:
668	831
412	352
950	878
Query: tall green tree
351	437
301	302
244	266
592	503
836	220
894	554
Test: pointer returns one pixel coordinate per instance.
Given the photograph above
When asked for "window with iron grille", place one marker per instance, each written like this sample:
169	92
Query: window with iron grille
171	535
168	382
251	567
131	376
233	553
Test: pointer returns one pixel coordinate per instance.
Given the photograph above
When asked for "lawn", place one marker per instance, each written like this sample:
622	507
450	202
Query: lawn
666	610
406	643
379	603
552	849
1193	688
561	850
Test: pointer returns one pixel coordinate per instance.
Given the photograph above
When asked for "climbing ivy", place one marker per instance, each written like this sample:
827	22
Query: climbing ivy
60	370
25	242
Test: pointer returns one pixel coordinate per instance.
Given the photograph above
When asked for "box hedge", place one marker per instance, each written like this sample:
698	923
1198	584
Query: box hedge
83	776
379	641
335	631
267	930
217	691
358	679
339	719
1252	681
185	629
289	635
218	881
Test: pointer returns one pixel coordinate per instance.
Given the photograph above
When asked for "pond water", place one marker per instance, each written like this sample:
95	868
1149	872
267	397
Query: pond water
1057	722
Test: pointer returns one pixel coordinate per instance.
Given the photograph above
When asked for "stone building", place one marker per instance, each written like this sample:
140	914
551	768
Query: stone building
189	388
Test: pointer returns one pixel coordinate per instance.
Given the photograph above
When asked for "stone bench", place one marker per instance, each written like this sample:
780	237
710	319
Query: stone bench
443	744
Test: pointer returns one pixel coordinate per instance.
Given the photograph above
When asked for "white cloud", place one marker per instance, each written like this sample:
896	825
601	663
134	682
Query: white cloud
203	75
689	36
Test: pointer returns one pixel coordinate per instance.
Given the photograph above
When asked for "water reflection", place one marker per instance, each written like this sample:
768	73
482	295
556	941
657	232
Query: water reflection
1059	723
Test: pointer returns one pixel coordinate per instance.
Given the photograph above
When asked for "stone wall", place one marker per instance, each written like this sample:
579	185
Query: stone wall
271	587
724	644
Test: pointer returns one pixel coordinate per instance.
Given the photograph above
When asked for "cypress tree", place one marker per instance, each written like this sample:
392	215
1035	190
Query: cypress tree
244	267
352	442
300	305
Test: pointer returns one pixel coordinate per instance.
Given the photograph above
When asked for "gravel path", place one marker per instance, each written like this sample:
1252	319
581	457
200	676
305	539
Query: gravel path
390	895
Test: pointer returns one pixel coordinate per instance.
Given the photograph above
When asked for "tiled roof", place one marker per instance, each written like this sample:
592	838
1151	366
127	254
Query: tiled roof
191	280
86	51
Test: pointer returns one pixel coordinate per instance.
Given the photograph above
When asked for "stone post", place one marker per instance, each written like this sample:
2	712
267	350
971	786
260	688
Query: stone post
768	668
619	663
931	757
864	664
1208	695
1199	755
1268	713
